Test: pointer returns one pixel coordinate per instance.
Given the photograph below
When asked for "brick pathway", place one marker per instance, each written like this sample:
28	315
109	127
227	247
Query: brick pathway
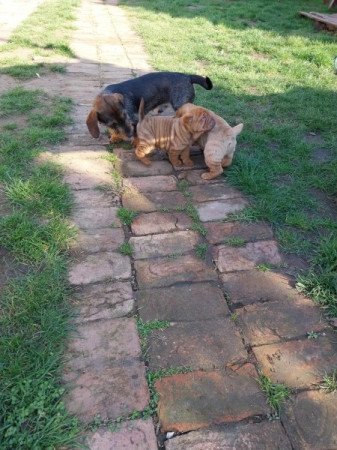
226	317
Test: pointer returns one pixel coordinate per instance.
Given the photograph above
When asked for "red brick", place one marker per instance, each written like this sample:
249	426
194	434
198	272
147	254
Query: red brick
194	177
93	218
199	399
210	344
298	364
100	267
164	244
183	302
151	183
158	222
209	192
231	259
98	240
92	198
168	271
218	232
252	286
252	436
138	169
130	435
219	210
152	201
310	420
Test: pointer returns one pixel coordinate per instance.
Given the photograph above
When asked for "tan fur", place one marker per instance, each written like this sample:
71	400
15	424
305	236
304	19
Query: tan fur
110	106
219	144
174	135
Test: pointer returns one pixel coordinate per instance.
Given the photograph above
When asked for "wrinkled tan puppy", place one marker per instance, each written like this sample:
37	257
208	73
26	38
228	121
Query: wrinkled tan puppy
219	143
175	135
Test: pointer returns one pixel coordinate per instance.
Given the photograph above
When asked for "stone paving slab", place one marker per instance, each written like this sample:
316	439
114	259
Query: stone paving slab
208	345
164	244
109	392
100	267
216	192
299	364
199	399
310	420
137	169
246	287
94	218
169	271
194	177
153	201
93	199
151	183
131	435
273	321
93	345
158	222
219	210
218	232
231	259
186	302
102	301
251	436
98	240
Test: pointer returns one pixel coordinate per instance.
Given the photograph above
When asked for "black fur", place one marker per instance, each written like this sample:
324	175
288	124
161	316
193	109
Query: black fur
157	88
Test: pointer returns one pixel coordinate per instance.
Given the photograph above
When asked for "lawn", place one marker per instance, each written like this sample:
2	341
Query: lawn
272	71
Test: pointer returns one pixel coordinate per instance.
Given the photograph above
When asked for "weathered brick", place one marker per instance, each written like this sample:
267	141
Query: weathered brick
310	420
102	301
152	201
158	222
251	286
199	399
93	218
209	192
218	232
151	183
107	390
168	271
98	240
252	436
191	301
194	177
219	210
100	267
130	435
298	364
164	244
272	321
93	198
230	259
138	169
210	344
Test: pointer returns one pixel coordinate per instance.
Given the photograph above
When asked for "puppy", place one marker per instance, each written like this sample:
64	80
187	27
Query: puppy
175	135
219	143
117	105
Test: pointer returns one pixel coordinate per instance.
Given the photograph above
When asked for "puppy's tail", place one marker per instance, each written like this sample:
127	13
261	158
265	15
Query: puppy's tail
141	113
205	82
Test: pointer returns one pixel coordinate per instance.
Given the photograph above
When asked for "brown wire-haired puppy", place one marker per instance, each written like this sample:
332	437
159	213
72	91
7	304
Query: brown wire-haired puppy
219	143
117	105
175	135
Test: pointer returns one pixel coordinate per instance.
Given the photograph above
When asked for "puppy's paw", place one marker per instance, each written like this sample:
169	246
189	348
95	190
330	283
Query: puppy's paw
188	163
208	176
145	161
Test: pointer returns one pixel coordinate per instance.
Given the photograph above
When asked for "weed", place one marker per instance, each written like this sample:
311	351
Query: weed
146	328
234	317
182	186
276	393
329	383
199	228
263	267
235	241
126	249
126	216
312	335
201	250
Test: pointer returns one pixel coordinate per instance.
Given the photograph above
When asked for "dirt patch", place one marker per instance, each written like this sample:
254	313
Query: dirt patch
321	155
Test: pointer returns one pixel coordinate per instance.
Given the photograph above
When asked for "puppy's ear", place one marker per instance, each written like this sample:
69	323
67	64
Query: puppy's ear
141	113
114	100
187	120
92	124
237	129
206	121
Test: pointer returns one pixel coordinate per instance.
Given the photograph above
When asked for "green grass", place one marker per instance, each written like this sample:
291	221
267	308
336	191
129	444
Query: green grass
34	306
44	34
126	249
329	383
276	393
126	216
146	328
274	73
235	241
201	250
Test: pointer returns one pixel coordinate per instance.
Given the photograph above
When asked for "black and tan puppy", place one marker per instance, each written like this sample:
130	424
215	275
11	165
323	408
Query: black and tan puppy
117	105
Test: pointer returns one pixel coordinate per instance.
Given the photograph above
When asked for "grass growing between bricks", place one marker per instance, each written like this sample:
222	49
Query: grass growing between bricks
38	39
276	393
274	73
34	307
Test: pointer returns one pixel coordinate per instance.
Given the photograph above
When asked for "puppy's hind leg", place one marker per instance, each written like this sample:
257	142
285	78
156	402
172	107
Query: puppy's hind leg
185	157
